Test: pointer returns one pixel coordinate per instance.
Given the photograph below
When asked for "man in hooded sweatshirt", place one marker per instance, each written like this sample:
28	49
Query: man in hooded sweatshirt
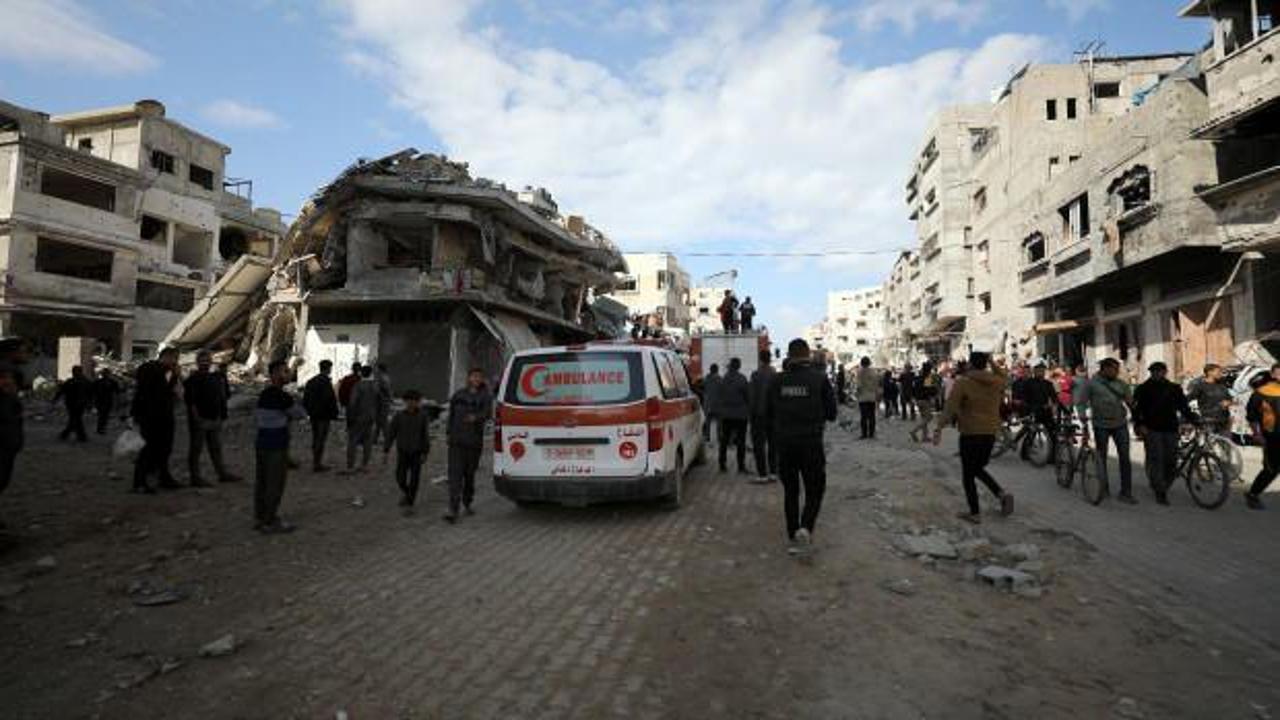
975	403
734	406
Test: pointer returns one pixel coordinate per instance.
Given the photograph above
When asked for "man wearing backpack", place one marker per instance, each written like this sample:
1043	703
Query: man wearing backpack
1108	399
1263	413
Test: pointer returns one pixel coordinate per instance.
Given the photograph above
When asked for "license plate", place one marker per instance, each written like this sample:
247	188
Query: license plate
569	453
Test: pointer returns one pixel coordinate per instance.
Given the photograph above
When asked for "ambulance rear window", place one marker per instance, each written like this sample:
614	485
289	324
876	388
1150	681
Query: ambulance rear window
575	379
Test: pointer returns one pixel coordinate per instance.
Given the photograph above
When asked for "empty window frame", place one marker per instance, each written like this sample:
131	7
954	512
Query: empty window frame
984	301
1106	90
626	284
662	279
200	176
1131	190
1033	249
85	144
153	229
164	296
984	254
70	260
1055	164
1051	109
1071	108
1075	219
162	161
77	189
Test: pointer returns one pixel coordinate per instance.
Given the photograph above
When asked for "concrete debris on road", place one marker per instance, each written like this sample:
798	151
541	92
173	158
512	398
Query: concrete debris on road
1005	578
221	647
935	545
44	565
1021	551
8	590
974	549
903	587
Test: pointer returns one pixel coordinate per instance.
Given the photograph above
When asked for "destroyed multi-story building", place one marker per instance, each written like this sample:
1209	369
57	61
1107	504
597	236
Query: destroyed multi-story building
854	326
113	224
410	262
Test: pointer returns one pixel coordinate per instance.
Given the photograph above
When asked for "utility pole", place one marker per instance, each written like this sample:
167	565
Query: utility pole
1086	56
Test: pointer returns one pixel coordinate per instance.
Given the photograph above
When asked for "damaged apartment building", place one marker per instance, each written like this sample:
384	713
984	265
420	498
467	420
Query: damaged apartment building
410	262
113	224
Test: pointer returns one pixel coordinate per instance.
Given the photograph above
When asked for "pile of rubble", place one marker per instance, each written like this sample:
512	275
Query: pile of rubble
1016	568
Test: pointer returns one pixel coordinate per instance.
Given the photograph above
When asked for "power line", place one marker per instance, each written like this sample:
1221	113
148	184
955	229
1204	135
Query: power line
816	254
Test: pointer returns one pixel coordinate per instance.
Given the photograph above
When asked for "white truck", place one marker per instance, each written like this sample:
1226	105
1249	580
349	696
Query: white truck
718	349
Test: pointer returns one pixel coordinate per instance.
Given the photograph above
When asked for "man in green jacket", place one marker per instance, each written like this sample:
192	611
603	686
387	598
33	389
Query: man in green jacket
1107	399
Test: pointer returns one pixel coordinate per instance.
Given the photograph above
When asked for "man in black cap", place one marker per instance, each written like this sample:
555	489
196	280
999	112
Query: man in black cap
800	403
1157	405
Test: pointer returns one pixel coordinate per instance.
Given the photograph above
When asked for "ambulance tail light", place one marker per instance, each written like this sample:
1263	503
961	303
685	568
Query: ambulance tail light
497	429
653	412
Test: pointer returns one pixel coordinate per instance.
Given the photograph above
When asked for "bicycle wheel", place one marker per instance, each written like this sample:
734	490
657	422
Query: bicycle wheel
1064	464
1090	484
1229	454
1208	480
1004	441
1038	447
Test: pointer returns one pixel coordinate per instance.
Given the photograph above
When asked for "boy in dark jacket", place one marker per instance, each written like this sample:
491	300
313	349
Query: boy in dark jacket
1157	405
469	410
762	443
206	396
76	392
276	409
321	404
734	406
408	432
152	410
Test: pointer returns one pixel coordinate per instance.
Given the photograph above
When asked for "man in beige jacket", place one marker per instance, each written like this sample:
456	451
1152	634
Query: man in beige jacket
975	403
868	393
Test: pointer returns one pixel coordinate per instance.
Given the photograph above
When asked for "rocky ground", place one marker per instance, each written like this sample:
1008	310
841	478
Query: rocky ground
120	606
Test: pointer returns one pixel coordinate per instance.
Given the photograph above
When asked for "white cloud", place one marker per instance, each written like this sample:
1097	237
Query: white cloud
64	33
907	14
747	125
1077	9
235	114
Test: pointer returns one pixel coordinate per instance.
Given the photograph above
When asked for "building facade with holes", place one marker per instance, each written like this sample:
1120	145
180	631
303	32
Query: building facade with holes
112	224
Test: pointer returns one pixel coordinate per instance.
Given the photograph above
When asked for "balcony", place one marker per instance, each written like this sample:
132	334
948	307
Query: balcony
1242	86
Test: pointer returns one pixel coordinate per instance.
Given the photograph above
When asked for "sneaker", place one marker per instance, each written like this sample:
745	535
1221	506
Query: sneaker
793	547
451	517
1127	499
972	518
407	511
1006	504
279	527
803	539
1162	498
1254	502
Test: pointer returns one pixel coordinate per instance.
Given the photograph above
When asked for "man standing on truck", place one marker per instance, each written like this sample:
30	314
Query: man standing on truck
748	314
728	312
800	403
762	439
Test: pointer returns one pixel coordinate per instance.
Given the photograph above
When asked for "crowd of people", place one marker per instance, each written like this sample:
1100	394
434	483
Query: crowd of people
979	394
362	398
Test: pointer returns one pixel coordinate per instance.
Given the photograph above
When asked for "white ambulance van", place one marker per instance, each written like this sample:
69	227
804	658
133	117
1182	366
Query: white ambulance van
592	423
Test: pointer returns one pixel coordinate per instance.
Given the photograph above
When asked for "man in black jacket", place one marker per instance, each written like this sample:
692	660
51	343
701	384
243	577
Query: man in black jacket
735	411
469	410
800	403
762	443
1040	400
321	404
206	397
75	391
152	410
1157	404
105	391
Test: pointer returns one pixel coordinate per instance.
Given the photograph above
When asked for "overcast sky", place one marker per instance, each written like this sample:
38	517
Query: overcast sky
695	126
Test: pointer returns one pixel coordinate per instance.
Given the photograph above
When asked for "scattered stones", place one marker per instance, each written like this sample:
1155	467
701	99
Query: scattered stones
903	587
1032	567
169	665
935	545
1021	551
140	535
1005	578
738	621
44	566
144	594
974	549
357	502
83	641
221	647
1127	708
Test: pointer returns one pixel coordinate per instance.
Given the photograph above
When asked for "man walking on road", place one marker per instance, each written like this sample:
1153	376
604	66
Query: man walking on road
1263	414
105	391
800	403
926	396
75	391
1157	405
321	404
1107	399
710	404
868	393
361	415
763	444
1212	399
975	403
469	410
906	391
734	406
348	384
206	397
152	410
382	379
408	433
1040	400
276	409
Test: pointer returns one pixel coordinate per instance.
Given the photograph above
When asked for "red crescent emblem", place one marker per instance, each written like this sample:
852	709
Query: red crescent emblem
526	381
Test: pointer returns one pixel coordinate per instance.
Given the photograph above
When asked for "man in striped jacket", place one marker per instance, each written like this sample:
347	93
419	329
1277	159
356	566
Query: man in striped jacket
276	409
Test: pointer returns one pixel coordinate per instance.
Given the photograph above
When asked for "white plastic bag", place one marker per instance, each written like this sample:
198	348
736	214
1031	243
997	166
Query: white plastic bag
128	445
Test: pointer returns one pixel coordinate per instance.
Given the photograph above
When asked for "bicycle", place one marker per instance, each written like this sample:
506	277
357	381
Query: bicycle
1219	445
1027	434
1207	476
1072	460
